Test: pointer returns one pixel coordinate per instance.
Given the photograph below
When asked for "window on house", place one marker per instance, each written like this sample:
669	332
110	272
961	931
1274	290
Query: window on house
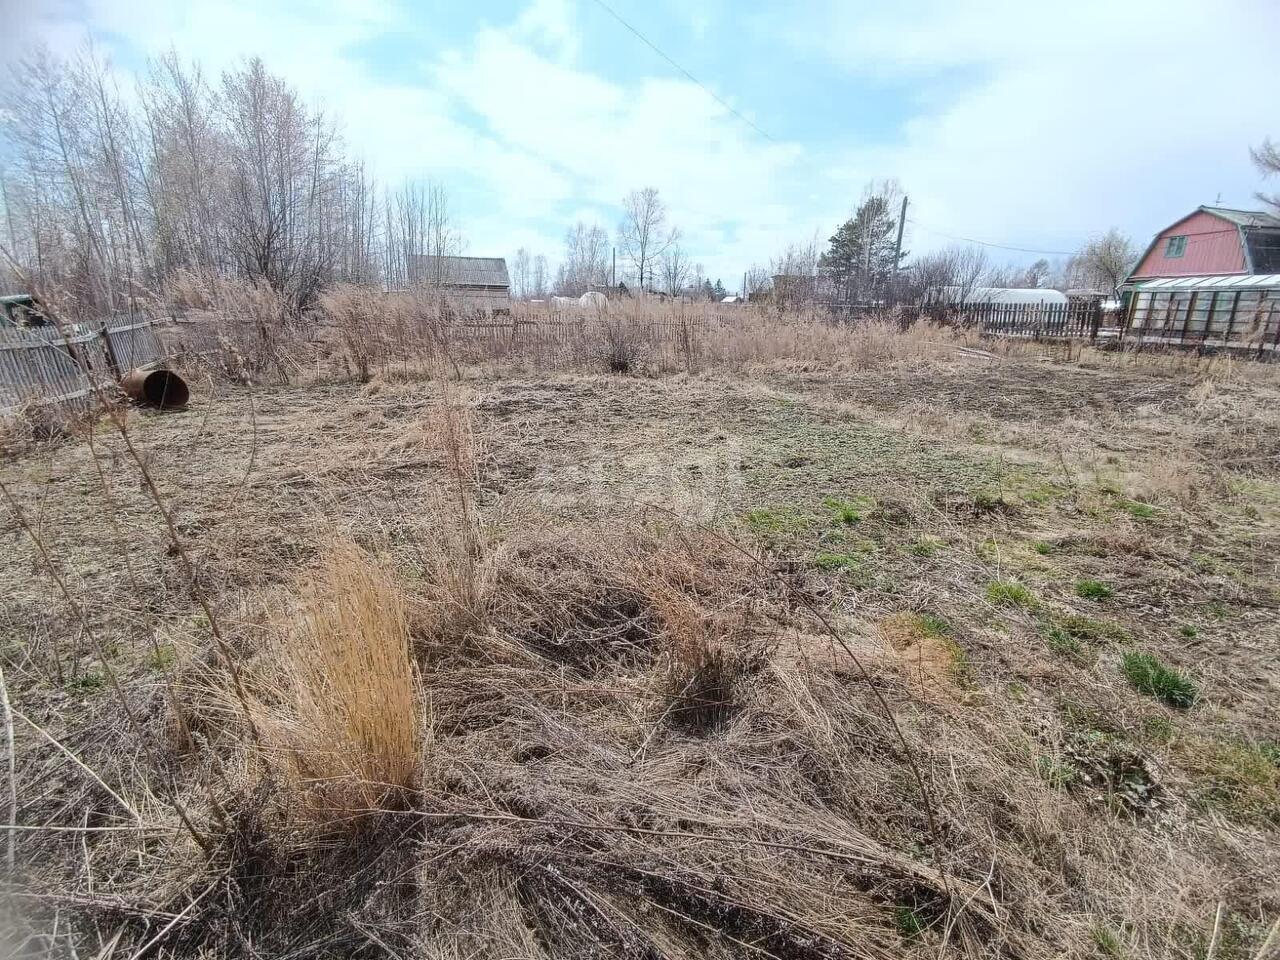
1175	247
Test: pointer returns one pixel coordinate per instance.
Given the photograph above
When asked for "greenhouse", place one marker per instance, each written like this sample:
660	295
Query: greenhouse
1235	311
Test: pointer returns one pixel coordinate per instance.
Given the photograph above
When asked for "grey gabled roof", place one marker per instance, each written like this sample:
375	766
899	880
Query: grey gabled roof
1244	218
463	271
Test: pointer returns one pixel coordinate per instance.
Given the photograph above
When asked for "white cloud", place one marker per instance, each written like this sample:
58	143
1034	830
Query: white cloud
1065	120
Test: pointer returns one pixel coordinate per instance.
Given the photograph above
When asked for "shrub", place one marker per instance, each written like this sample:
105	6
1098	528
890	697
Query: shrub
1093	590
1151	677
619	344
1009	593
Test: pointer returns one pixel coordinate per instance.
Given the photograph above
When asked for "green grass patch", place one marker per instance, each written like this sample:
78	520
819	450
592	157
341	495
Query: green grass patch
1240	779
989	501
932	625
925	547
847	512
162	658
1149	676
1057	774
1188	631
1042	547
1094	590
1090	630
1139	510
1108	942
1009	593
909	922
87	683
1157	730
777	521
1065	645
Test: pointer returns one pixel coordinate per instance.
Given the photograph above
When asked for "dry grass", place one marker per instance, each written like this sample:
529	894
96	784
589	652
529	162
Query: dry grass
342	713
528	717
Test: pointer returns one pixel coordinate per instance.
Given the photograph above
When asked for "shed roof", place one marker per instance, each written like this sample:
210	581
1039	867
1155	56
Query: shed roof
464	271
1244	218
1238	281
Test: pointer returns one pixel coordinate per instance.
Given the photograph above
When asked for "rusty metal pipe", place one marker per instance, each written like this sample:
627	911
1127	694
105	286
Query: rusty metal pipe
155	388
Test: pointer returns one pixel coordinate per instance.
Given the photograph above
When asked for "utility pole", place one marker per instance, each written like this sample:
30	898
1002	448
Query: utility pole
897	247
615	269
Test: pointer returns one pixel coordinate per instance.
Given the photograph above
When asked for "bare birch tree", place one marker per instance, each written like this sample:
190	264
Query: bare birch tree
644	234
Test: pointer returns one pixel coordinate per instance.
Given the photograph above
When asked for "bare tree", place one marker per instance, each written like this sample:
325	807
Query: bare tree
1105	261
419	234
675	270
586	260
643	234
756	281
948	277
106	196
538	284
795	273
520	267
1267	159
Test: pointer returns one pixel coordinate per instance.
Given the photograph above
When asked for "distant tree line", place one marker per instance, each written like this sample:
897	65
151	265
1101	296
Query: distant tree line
652	259
107	196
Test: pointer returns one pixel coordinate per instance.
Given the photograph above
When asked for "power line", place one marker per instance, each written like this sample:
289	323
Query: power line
984	243
652	46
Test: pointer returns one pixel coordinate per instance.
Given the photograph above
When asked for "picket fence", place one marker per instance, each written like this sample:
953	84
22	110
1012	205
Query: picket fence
59	370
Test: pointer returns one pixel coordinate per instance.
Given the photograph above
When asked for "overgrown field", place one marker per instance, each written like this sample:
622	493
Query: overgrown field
938	653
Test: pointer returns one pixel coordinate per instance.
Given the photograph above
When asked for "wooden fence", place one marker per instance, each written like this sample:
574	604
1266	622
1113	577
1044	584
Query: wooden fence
60	369
1036	321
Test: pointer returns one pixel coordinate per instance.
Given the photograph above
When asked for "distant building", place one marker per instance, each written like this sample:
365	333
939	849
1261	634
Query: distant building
1212	277
478	284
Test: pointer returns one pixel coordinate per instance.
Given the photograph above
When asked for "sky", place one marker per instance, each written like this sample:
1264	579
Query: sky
1026	124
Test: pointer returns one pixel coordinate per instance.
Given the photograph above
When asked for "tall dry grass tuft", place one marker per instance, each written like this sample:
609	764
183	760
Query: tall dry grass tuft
458	564
240	331
344	715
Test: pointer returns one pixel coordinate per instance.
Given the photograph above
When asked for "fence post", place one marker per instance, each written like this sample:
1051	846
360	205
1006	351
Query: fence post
109	349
